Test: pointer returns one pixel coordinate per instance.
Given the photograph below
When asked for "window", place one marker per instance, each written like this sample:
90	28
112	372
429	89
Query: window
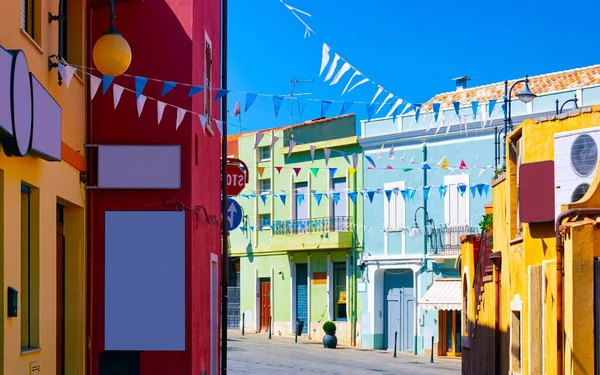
456	205
339	291
264	186
264	153
394	208
208	84
27	17
264	220
519	160
29	271
515	342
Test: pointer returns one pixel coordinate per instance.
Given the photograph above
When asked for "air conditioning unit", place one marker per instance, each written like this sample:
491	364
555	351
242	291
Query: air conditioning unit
575	164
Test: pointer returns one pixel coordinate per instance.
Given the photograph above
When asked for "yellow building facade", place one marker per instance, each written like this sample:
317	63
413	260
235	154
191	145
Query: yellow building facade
512	290
42	194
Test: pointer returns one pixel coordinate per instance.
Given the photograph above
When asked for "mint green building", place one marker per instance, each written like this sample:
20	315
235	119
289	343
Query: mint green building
295	253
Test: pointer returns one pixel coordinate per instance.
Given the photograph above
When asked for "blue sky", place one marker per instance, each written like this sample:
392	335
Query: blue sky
411	48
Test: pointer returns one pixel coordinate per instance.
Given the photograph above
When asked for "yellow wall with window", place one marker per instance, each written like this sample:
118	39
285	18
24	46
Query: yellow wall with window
30	228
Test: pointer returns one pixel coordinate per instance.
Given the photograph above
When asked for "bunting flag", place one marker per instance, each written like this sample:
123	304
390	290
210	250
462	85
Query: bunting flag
117	92
325	107
291	147
277	100
180	116
474	105
426	190
219	127
463	165
312	153
480	189
352	195
442	190
260	171
314	171
436	110
389	167
355	161
195	90
250	98
371	194
388	194
94	85
394	108
379	154
332	67
160	110
106	82
236	109
371	161
326	154
340	73
282	197
456	108
203	121
301	106
391	154
356	73
318	198
278	169
140	83
473	190
462	189
426	166
346	107
263	197
220	93
299	199
324	58
258	138
167	87
332	172
274	140
486	189
491	105
364	80
370	109
141	101
351	171
336	197
297	171
406	169
387	98
417	112
345	155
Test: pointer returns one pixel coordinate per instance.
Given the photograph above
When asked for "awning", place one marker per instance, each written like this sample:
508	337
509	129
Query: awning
444	294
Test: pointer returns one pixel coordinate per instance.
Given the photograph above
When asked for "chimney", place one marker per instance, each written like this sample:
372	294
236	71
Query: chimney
461	82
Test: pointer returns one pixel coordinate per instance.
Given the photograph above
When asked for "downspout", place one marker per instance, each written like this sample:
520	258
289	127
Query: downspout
354	271
560	248
89	210
496	259
425	222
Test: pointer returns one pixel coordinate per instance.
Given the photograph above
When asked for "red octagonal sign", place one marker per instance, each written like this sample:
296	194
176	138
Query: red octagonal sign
236	180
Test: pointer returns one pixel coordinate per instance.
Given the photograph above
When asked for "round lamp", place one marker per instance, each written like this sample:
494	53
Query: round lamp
112	54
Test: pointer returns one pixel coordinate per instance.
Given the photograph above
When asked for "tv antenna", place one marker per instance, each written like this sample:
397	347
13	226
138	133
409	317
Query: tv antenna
294	82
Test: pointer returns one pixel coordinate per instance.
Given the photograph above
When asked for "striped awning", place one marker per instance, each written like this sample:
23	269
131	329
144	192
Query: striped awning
444	294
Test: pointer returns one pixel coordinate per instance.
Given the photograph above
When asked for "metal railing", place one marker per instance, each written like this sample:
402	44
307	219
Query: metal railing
313	225
445	240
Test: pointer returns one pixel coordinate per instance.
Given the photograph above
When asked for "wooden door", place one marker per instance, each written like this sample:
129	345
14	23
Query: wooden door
265	304
60	300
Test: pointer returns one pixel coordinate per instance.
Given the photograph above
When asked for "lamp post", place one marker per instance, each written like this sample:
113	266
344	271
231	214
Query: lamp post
525	95
416	230
574	101
112	54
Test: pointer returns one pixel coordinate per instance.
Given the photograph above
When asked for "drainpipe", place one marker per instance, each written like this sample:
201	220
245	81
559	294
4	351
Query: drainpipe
496	259
425	220
560	248
354	314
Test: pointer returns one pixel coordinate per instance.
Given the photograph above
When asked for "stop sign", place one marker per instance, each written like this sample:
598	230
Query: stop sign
236	179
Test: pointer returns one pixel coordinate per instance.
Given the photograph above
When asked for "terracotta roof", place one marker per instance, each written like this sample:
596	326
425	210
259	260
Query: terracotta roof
305	123
542	84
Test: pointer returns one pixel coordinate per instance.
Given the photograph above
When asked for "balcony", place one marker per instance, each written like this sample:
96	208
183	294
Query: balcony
313	234
444	241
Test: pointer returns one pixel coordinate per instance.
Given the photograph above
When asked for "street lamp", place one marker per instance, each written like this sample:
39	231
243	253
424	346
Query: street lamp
112	54
416	231
525	95
574	101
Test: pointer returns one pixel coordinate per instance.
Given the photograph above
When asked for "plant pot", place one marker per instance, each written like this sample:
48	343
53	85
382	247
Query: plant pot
329	341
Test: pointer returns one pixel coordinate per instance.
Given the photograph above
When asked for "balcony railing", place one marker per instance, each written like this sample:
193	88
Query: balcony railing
314	225
445	240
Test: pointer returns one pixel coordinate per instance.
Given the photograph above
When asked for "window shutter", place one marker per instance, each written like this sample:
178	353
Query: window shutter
394	209
24	14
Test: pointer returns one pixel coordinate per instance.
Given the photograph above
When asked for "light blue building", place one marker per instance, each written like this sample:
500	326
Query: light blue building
414	177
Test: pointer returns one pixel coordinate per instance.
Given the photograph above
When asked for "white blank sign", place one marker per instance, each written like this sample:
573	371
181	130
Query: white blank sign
144	270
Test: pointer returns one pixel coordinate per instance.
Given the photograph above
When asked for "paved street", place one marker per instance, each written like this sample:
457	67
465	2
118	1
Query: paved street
256	354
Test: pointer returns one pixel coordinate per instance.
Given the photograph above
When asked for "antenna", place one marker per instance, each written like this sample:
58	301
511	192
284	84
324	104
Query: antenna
294	82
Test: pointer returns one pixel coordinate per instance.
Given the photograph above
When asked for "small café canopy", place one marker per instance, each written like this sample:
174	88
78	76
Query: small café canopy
444	294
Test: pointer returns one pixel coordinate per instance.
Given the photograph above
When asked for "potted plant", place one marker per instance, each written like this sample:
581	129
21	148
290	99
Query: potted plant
329	340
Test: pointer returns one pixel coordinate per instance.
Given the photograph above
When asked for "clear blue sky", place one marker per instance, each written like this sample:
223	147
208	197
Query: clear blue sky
412	48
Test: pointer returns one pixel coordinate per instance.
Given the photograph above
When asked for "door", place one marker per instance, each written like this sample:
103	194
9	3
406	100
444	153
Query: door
400	319
60	292
340	208
393	318
265	304
214	317
302	295
301	208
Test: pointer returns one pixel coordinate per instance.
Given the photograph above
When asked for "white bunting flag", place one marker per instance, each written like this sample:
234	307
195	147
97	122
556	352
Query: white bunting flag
219	126
180	115
403	155
364	80
448	122
379	90
68	74
356	73
312	153
257	138
327	153
441	161
95	83
324	58
340	73
117	92
203	120
391	154
160	109
332	67
292	144
412	160
396	105
274	140
481	171
390	95
61	70
140	104
440	123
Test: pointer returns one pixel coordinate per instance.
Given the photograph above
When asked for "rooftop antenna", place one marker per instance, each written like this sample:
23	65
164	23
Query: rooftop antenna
294	82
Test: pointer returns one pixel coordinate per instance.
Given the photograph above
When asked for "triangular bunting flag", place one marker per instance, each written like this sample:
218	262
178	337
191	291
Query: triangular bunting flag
351	171
371	194
426	191
106	82
405	195
473	190
380	153
371	161
324	58
332	67
257	138
220	93
94	85
274	140
325	107
407	169
462	188
346	107
219	126
312	153
326	154
463	165
389	167
167	87
250	98
417	113
486	189
491	105
436	111
318	198
277	100
301	106
180	115
388	97
426	166
140	104
194	90
480	189
160	110
355	161
314	171
391	154
370	109
352	195
474	105
291	147
388	194
117	92
282	197
278	169
442	190
340	73
332	172
444	163
297	171
264	198
456	108
412	194
299	198
260	170
140	83
336	197
345	156
203	120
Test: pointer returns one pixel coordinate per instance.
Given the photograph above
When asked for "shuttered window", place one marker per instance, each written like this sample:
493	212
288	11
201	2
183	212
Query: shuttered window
456	206
208	85
394	208
27	12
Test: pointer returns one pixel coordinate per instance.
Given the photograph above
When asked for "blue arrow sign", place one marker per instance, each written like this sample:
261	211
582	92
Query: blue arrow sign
234	214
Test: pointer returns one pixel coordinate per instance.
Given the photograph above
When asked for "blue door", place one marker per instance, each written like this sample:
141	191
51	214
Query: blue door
302	295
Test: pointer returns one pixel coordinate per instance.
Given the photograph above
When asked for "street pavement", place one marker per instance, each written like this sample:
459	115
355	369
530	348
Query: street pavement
256	354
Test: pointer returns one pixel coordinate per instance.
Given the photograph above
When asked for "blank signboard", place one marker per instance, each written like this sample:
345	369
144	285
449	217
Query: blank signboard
139	167
144	280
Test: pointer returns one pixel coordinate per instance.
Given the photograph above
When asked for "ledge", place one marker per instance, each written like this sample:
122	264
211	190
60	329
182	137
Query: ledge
30	351
515	241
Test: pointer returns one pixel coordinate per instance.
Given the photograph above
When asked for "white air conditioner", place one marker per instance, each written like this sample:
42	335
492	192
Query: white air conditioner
575	164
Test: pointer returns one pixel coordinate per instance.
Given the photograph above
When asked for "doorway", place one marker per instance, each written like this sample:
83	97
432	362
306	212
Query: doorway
60	290
449	333
302	295
214	315
400	319
265	304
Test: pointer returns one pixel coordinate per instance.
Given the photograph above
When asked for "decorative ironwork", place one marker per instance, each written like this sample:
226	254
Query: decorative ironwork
313	225
445	240
233	307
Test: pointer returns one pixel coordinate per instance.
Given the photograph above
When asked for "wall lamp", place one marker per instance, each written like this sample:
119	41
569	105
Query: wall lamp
574	101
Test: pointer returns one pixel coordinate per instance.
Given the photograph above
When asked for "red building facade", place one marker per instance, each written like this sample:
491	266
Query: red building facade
154	194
